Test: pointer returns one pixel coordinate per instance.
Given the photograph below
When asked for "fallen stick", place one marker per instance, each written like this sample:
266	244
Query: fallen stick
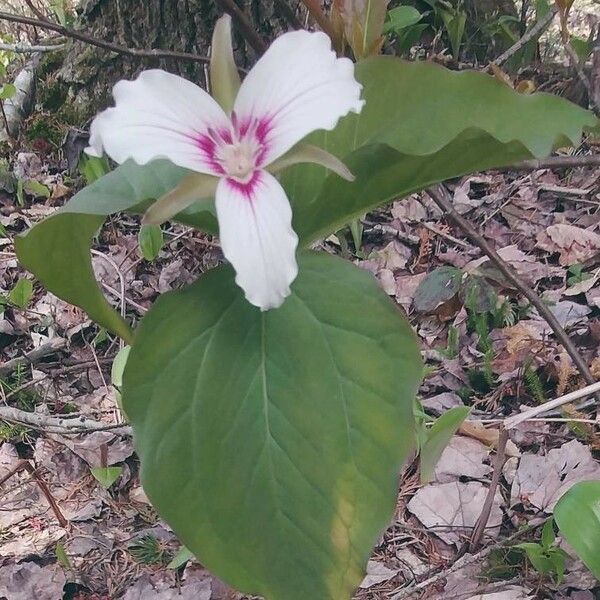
511	422
441	197
52	424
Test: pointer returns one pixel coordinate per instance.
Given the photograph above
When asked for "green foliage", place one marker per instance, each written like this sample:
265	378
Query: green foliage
149	551
547	558
577	515
182	556
118	366
106	476
437	439
62	557
311	436
451	349
93	168
21	294
534	384
576	274
7	91
400	143
285	429
150	240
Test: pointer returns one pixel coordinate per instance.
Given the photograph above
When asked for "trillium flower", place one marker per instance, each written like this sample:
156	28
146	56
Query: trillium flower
235	142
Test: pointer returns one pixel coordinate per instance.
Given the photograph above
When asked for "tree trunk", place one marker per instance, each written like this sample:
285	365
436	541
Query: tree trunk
181	25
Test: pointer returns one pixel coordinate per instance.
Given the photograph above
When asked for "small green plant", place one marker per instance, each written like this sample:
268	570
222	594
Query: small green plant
13	432
534	384
148	550
23	398
576	274
451	349
92	168
546	557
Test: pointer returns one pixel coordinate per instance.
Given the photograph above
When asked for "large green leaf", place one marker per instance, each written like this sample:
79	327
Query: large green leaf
271	441
577	515
57	250
436	124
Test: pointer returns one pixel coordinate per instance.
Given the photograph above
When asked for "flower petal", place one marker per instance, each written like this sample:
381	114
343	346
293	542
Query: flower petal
255	229
298	86
159	115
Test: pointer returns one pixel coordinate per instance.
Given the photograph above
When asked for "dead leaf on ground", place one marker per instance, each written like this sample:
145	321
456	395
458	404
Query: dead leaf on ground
574	244
451	510
487	435
377	572
462	457
541	480
28	580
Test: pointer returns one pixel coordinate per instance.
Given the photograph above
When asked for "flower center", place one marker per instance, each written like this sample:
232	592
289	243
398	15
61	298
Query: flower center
238	159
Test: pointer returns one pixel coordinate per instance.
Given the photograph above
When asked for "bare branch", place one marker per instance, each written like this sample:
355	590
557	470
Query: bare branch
27	49
536	30
244	25
442	198
53	424
88	39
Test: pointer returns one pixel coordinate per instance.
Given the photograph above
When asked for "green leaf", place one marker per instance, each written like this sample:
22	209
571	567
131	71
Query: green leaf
577	515
7	91
65	238
21	294
106	476
438	287
150	240
422	124
57	252
400	18
548	535
284	430
62	557
118	366
181	557
439	435
35	188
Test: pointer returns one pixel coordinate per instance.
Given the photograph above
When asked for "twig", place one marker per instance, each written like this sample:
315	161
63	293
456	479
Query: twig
491	493
444	235
555	162
574	60
316	12
245	27
88	39
513	421
51	424
461	563
442	198
27	49
54	345
25	465
536	30
4	118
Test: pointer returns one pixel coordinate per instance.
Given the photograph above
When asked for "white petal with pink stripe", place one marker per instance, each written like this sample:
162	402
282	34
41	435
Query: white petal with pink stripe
297	87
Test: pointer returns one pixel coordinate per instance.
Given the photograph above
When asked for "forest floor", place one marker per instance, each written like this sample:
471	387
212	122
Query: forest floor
484	345
488	350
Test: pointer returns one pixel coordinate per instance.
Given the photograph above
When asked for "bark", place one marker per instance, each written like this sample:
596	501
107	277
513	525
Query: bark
183	25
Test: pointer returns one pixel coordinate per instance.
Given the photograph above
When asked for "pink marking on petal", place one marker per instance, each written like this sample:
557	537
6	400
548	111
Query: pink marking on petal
207	145
246	188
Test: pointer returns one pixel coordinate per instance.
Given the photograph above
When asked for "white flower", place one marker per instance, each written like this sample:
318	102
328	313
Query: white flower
298	86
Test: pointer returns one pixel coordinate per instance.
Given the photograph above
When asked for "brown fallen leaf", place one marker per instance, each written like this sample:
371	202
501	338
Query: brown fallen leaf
377	573
574	244
28	580
541	480
486	435
451	510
